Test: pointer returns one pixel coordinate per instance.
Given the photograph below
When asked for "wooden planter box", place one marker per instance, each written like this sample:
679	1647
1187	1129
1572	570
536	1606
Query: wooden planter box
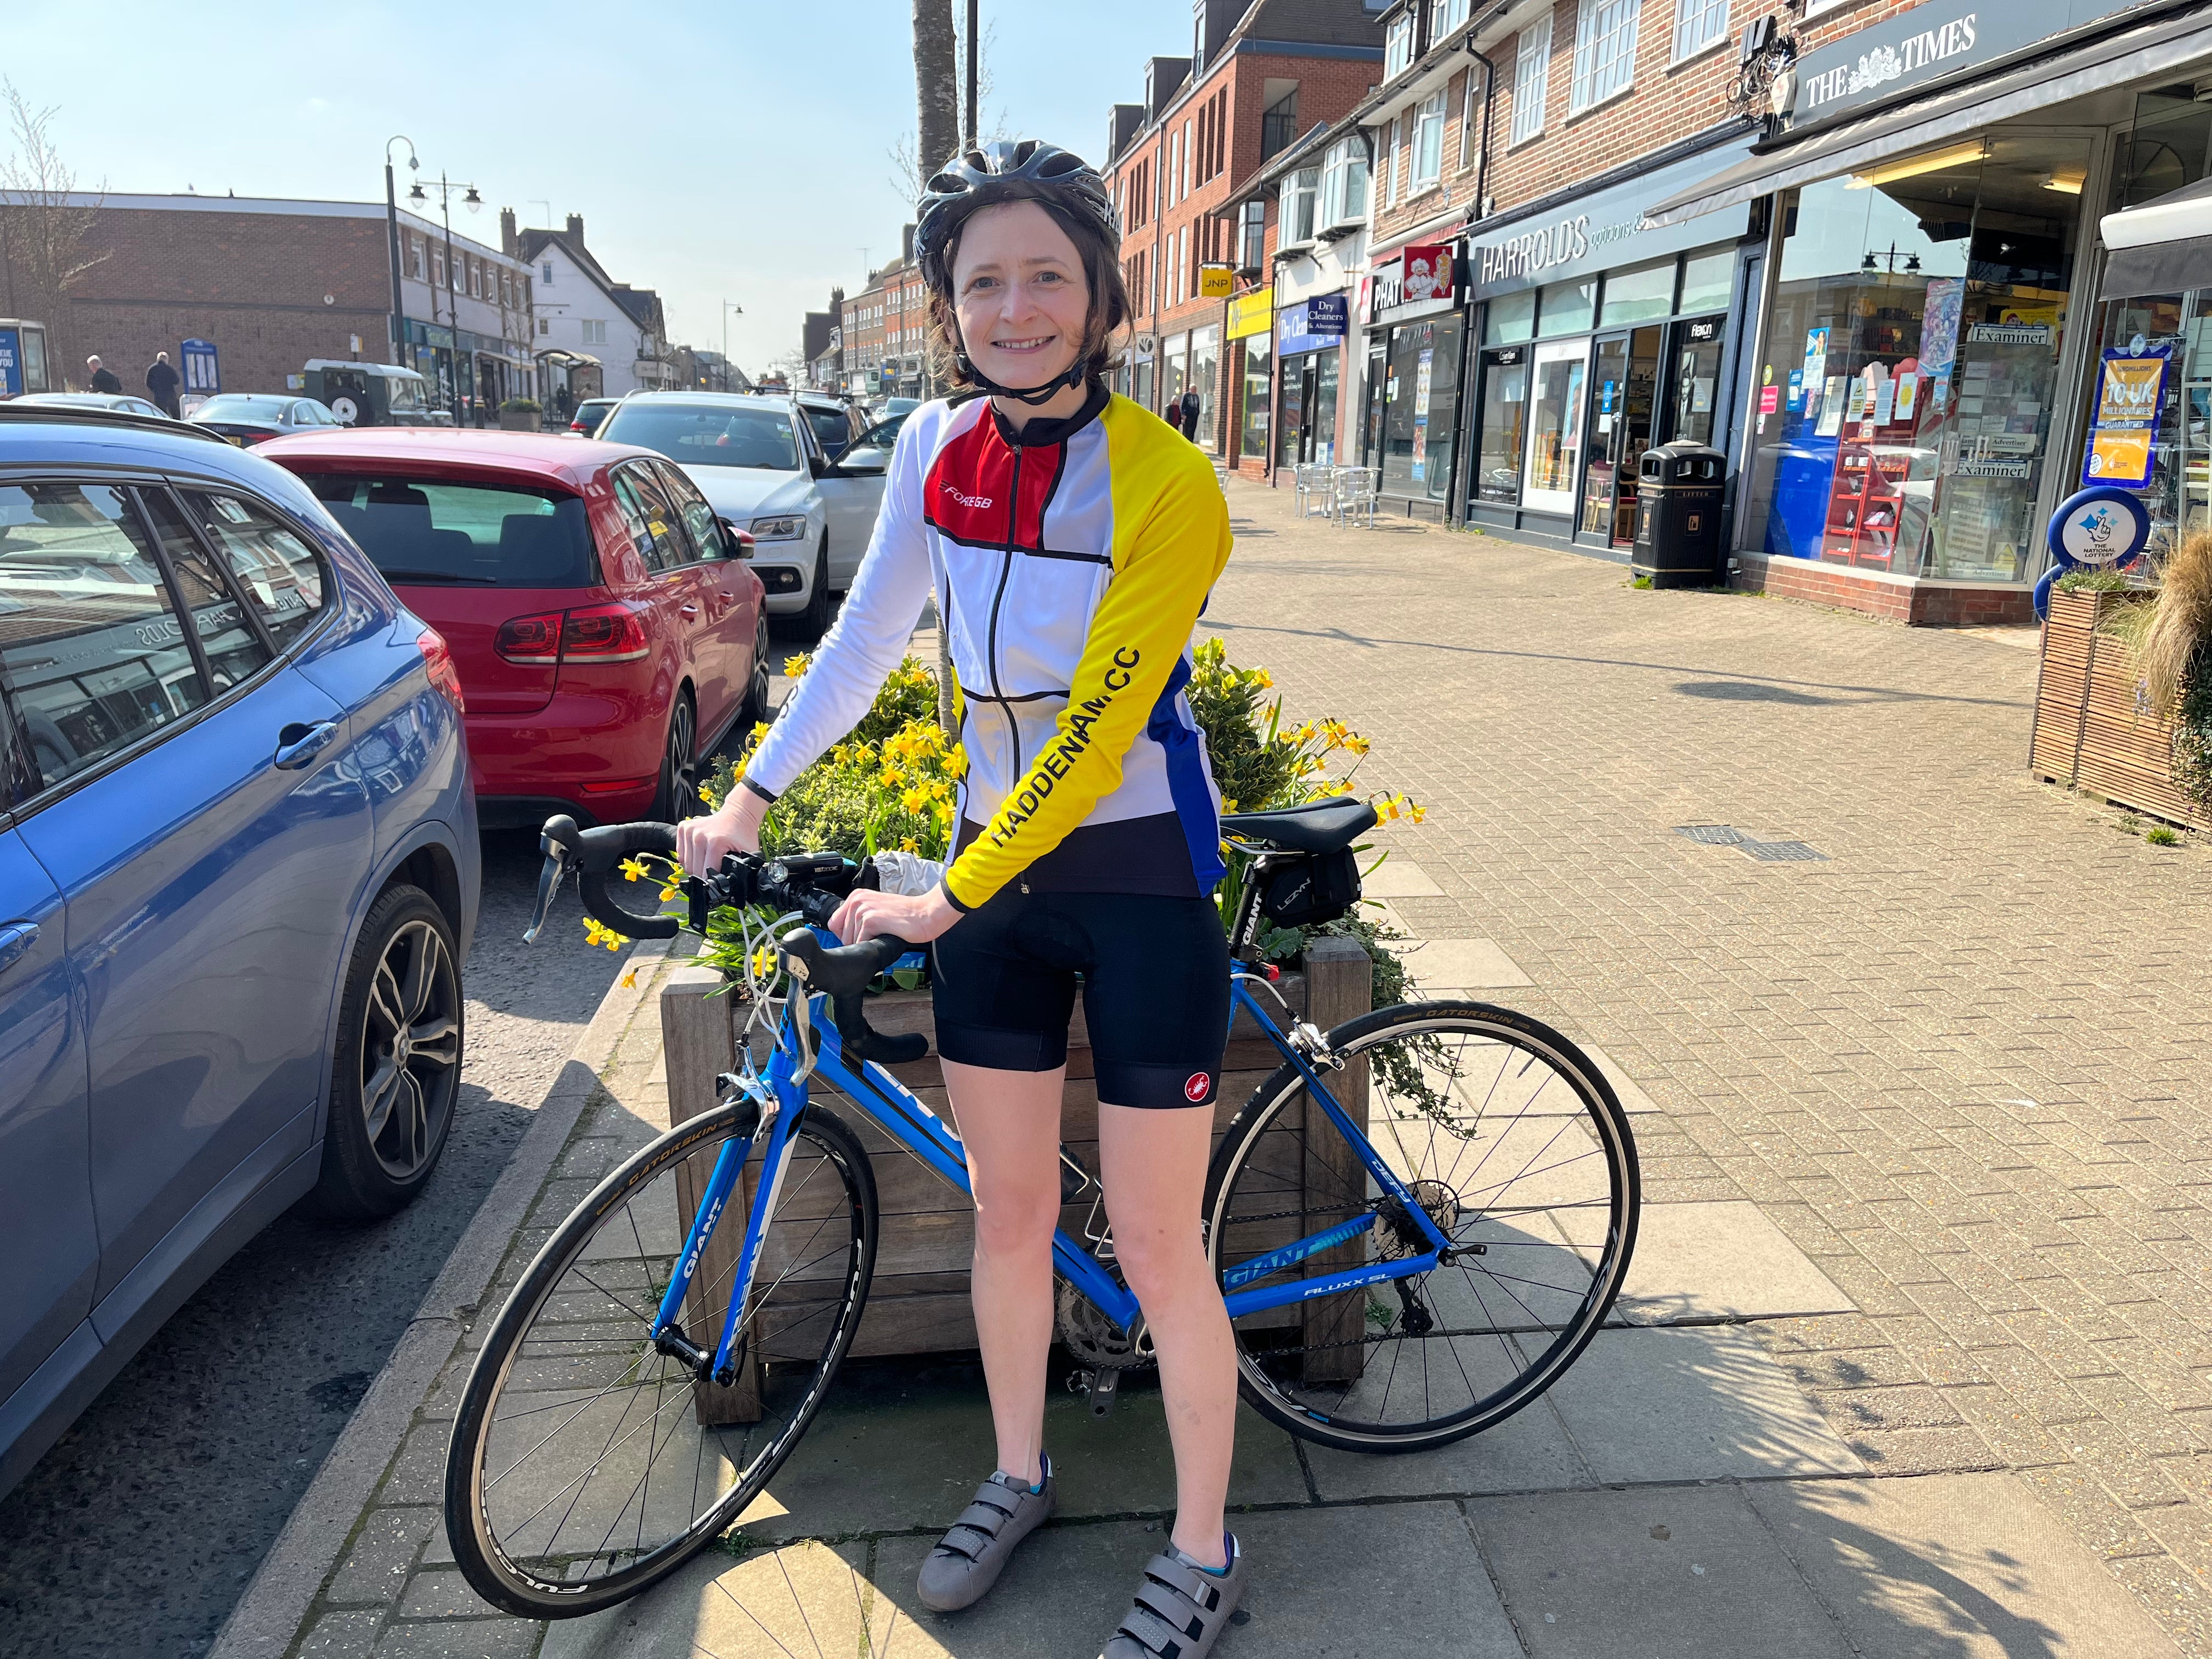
2091	731
518	420
919	1303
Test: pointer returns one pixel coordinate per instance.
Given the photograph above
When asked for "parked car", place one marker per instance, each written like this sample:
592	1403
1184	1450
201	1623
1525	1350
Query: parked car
835	422
898	406
247	418
233	798
607	628
757	459
589	413
122	402
872	448
371	394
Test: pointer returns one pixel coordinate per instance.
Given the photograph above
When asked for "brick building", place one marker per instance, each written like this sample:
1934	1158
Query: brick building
274	282
886	331
1260	74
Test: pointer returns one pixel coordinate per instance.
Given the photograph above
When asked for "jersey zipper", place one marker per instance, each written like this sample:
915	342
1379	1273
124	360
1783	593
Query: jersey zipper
991	634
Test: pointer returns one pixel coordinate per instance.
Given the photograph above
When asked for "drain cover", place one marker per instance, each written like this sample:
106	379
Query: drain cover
1780	851
1713	834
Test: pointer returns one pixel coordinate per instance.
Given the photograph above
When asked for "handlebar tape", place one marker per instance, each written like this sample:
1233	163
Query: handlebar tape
597	852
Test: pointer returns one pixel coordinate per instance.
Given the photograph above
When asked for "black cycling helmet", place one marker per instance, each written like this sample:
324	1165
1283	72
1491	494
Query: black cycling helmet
1029	171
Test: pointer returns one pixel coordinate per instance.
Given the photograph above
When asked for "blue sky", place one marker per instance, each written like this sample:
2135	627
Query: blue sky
737	150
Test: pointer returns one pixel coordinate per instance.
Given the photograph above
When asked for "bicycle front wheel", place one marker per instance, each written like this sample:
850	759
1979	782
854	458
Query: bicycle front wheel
585	1464
1511	1141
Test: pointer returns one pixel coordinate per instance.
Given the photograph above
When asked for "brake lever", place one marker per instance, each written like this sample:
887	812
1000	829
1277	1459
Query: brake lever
549	883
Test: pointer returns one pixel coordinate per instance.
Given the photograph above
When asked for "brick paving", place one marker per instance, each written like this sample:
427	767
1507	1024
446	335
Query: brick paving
1963	1063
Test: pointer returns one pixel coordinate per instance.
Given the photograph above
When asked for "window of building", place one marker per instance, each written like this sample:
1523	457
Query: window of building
415	257
1398	44
438	266
1252	233
1567	308
1428	147
1389	151
1467	114
476	280
1343	184
1637	295
1205	379
1510	319
1299	192
1604	51
545	273
1698	24
1252	428
544	324
595	330
1708	281
1530	68
507	288
1444	16
1279	124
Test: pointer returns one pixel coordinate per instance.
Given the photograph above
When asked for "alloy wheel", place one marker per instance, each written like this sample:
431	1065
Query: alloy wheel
410	1050
682	767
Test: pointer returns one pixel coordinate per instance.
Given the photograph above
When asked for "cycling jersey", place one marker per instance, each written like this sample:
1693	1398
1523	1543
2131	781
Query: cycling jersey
1072	560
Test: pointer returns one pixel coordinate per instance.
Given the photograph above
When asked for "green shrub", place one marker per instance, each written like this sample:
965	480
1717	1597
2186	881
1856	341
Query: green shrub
2163	836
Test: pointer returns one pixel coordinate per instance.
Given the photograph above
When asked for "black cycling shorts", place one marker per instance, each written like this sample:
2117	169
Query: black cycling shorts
1155	977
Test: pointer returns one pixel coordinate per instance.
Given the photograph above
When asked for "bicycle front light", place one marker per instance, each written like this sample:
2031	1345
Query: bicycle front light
787	529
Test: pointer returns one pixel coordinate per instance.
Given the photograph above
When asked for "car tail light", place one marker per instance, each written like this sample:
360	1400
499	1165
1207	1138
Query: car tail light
576	426
530	639
439	659
603	633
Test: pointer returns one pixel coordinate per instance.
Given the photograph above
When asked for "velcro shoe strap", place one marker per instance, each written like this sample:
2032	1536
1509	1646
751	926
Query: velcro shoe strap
955	1542
1202	1589
1155	1634
985	1516
1175	1608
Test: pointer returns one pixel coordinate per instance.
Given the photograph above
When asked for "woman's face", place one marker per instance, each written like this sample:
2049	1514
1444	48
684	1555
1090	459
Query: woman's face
1019	287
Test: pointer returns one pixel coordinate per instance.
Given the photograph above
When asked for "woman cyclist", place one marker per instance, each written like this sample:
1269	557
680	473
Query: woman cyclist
1072	538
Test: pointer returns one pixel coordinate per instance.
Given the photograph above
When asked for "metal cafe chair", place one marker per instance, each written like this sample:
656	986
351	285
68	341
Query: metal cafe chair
1356	492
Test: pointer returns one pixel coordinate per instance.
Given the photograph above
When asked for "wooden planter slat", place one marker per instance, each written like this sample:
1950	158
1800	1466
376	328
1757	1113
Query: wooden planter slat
2090	730
919	1302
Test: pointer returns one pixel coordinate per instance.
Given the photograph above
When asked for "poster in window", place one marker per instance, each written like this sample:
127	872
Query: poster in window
1421	378
2124	427
1939	326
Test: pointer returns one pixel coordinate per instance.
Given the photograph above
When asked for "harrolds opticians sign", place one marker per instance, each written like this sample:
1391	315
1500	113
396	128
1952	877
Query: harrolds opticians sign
1532	250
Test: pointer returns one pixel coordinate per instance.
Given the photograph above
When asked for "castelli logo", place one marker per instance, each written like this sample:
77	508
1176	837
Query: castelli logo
976	502
1195	1089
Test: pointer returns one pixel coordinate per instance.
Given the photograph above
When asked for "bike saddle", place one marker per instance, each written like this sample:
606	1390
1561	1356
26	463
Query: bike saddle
1319	826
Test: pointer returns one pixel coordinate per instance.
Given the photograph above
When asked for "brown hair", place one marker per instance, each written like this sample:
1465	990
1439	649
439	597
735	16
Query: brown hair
1110	309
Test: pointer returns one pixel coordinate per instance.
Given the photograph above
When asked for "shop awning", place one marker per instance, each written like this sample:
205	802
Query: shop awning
560	358
2163	246
2148	49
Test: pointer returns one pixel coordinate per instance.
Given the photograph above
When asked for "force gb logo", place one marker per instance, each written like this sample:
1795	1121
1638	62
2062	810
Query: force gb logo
1195	1089
978	503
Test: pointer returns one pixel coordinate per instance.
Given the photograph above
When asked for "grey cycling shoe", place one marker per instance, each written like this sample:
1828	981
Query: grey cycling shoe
970	1558
1181	1607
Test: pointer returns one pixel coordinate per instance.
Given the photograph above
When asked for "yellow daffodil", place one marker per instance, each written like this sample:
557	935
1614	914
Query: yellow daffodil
763	962
795	668
629	980
914	800
708	796
631	869
908	844
1263	679
668	892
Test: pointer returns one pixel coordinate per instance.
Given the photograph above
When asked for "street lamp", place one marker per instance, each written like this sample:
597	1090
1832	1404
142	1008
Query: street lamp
392	232
472	201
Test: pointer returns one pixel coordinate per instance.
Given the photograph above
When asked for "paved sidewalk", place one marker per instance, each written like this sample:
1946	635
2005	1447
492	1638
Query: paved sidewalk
1911	1357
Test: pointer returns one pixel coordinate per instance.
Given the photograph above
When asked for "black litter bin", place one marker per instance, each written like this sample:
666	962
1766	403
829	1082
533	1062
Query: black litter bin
1678	515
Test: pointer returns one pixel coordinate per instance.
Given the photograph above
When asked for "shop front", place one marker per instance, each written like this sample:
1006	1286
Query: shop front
1414	348
1309	338
1248	378
1599	336
1929	338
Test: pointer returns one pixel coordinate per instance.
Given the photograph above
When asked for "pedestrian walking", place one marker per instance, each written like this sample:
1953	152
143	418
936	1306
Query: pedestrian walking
1173	414
162	383
103	378
1189	426
1087	840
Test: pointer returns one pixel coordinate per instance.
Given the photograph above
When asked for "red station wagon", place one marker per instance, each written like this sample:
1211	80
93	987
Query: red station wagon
607	631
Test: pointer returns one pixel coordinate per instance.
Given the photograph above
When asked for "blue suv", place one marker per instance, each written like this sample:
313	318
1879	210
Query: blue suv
238	877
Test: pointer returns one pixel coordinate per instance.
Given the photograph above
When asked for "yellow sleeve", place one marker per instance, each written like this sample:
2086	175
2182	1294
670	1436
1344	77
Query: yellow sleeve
1164	564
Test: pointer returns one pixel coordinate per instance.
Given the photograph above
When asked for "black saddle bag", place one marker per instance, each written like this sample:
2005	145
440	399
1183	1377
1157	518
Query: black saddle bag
1310	889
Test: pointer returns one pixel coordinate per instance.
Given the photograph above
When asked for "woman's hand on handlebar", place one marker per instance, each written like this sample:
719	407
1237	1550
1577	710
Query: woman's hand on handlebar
917	918
734	827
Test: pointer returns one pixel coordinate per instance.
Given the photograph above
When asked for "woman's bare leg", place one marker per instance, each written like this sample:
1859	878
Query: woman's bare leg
1154	1170
1010	1123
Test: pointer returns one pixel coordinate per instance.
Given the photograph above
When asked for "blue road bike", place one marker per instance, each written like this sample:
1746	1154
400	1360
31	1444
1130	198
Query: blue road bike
1420	1219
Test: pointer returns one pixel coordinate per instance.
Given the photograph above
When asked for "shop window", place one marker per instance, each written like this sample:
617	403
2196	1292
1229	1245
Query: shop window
1205	379
1708	282
1252	428
1556	381
1421	403
1530	66
1604	51
1503	439
1343	185
1637	295
1698	24
1510	318
1567	308
1904	405
1398	44
1428	156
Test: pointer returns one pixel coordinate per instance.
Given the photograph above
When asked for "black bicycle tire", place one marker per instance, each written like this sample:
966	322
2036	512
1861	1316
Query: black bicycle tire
513	1592
1605	1106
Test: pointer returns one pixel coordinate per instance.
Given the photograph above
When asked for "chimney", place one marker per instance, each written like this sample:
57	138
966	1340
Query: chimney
576	225
509	240
906	243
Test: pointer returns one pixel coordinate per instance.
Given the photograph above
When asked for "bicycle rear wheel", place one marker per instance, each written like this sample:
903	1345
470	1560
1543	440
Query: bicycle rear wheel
1511	1141
583	1465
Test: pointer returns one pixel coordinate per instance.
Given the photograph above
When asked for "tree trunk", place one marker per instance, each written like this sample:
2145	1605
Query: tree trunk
936	85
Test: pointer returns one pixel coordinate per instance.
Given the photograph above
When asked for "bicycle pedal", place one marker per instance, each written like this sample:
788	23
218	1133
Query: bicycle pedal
1105	1389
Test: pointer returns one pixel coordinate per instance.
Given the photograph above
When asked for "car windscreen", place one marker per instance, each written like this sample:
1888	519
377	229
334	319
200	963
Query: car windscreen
699	434
831	430
427	529
244	409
